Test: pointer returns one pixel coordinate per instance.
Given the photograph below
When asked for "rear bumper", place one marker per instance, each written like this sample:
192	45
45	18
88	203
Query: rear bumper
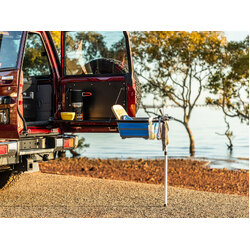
12	151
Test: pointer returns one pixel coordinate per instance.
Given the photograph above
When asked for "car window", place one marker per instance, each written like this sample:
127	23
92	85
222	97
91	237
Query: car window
94	52
36	62
9	48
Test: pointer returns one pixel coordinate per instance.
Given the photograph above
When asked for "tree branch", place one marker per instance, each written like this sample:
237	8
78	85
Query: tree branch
195	100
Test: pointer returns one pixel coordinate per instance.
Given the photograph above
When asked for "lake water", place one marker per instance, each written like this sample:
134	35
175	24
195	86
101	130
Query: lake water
205	123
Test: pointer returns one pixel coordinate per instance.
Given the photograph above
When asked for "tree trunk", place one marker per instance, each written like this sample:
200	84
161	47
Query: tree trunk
191	140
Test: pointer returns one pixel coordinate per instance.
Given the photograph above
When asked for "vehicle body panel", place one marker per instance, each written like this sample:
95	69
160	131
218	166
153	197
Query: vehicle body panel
11	89
17	126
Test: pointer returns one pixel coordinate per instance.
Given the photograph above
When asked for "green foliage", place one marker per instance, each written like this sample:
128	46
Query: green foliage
230	82
56	36
93	42
86	46
172	63
35	62
176	66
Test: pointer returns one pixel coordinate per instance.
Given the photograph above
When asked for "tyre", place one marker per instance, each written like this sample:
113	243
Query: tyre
108	66
4	178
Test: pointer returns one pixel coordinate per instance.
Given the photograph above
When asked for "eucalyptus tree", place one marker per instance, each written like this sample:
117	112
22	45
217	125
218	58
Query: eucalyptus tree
176	66
229	84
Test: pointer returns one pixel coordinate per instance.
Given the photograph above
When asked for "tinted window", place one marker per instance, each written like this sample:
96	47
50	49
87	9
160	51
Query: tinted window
36	62
85	51
9	48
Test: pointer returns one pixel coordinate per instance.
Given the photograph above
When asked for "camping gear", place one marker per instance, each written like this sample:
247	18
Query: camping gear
77	102
68	116
147	128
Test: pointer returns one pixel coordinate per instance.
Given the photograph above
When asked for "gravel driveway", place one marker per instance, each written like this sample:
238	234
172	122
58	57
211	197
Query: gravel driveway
48	195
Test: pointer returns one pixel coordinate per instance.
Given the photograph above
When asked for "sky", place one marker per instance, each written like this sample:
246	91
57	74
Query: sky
236	35
231	36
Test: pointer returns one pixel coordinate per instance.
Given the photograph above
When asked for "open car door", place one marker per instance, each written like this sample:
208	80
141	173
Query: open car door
97	73
11	51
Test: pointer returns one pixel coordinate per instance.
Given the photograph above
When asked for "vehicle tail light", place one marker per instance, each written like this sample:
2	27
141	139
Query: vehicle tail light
3	149
69	143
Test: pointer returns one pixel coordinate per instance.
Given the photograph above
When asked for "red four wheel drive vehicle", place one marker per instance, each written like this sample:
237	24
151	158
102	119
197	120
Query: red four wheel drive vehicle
47	75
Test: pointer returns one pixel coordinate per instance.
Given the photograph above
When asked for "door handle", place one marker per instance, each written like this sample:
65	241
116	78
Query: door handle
7	79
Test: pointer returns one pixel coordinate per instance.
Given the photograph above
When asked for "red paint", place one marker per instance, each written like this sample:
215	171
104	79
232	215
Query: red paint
36	130
66	143
86	94
3	149
15	128
10	130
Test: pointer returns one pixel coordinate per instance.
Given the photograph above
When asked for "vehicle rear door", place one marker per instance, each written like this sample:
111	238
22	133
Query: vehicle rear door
11	51
96	74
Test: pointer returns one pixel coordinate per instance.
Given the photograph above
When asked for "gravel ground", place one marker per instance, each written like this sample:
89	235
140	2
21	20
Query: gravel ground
48	195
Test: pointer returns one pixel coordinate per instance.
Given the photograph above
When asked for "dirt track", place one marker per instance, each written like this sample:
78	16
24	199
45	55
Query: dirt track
48	195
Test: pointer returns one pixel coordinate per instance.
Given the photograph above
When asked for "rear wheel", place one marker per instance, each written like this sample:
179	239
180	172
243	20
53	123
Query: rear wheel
112	66
4	178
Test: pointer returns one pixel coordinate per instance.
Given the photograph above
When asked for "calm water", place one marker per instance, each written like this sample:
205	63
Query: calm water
205	122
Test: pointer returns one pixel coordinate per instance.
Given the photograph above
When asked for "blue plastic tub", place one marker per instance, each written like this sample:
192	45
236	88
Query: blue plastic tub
132	129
